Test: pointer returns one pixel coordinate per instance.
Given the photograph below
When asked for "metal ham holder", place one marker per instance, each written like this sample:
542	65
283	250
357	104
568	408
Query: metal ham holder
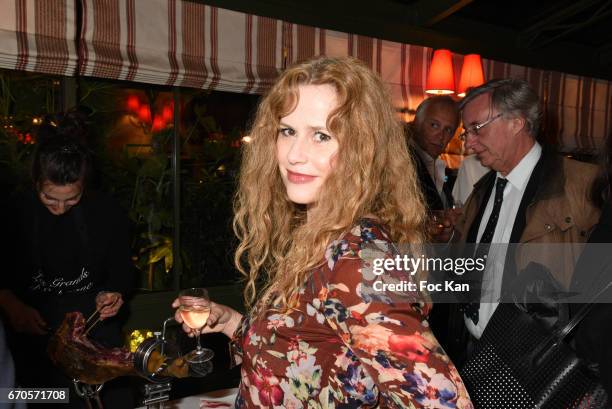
90	393
157	391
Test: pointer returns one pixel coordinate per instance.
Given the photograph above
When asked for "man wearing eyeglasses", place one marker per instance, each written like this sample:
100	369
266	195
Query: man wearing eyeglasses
531	195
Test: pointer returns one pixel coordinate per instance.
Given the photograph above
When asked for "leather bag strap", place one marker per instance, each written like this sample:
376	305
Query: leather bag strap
561	333
564	331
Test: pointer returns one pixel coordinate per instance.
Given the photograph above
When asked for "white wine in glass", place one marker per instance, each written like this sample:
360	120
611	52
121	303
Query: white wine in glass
195	309
195	316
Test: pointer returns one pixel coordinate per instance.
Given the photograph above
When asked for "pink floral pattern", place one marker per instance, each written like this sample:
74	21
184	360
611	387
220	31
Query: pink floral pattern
347	346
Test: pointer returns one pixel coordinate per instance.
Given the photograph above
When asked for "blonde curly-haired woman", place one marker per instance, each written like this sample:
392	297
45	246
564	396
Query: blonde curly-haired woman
327	186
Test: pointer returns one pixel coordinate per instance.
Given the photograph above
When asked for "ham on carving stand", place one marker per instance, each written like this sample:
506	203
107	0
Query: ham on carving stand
90	365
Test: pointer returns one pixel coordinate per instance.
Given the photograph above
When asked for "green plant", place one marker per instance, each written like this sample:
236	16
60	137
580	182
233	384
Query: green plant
141	177
24	99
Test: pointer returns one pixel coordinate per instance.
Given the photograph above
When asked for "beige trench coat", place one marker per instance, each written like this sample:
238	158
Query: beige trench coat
558	218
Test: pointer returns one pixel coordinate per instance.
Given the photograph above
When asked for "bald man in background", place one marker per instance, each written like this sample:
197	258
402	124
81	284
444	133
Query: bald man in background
436	121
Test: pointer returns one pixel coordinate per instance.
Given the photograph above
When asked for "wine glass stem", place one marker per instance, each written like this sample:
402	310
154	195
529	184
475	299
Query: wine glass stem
199	348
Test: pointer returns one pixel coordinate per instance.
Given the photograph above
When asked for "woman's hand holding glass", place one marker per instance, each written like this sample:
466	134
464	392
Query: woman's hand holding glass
199	315
221	319
194	309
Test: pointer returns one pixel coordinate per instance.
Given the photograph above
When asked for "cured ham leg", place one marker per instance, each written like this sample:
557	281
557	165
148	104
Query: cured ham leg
85	360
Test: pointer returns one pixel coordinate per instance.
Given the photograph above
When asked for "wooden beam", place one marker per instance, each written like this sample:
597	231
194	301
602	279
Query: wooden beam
553	16
533	36
605	55
430	12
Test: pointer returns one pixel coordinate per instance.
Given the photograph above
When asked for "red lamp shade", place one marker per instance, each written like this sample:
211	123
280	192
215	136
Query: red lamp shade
144	113
472	74
441	77
158	123
167	113
133	104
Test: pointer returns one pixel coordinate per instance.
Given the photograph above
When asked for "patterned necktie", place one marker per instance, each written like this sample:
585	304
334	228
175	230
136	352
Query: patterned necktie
471	309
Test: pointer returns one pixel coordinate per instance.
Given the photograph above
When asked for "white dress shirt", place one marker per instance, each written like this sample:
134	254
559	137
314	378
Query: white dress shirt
494	270
469	173
437	171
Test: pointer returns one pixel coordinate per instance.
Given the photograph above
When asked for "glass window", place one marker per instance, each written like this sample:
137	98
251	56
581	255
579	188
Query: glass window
212	127
132	138
24	99
135	148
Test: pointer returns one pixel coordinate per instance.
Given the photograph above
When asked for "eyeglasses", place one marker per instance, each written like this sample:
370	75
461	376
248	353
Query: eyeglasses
477	127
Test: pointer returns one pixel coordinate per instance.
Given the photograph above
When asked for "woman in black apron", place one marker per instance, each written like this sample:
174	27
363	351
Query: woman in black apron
70	252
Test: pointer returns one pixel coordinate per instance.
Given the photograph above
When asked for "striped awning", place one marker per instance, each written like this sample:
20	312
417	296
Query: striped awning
179	43
174	42
188	44
38	36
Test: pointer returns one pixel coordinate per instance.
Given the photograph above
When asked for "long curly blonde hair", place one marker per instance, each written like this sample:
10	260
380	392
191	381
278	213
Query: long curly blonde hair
373	176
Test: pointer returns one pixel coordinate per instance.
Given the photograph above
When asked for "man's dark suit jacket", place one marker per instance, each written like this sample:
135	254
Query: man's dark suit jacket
428	187
594	272
439	315
546	181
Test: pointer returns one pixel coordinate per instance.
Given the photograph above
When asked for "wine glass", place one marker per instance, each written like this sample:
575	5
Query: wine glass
195	309
437	218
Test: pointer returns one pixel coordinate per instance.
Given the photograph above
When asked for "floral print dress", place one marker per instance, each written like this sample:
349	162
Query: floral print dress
345	345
